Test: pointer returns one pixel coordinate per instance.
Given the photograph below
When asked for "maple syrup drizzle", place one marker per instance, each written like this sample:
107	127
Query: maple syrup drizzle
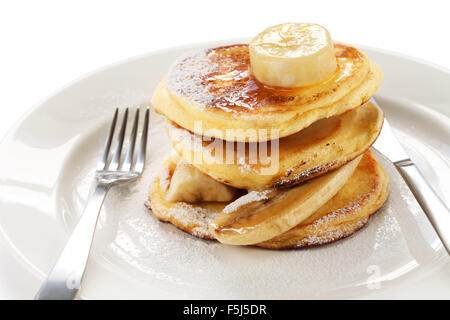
232	88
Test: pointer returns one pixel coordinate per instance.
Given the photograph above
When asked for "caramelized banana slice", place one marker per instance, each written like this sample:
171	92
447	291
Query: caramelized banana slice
262	215
344	214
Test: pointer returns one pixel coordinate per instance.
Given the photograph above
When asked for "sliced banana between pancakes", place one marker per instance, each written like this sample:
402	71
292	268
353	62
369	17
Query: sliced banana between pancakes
343	213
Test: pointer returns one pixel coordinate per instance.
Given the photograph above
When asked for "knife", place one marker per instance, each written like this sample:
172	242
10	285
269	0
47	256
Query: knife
435	209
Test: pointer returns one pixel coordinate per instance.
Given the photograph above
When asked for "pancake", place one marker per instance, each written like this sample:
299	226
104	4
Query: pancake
212	91
261	215
348	211
325	145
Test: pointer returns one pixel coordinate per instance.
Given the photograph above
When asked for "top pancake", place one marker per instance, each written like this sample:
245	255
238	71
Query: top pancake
215	86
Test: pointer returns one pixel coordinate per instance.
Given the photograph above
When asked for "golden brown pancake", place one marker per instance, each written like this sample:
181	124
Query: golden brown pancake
261	215
215	86
325	145
348	211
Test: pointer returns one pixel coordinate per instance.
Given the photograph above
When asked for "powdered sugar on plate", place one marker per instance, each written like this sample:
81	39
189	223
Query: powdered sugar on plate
132	241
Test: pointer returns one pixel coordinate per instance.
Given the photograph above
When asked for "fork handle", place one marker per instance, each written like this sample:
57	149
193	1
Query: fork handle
64	280
432	205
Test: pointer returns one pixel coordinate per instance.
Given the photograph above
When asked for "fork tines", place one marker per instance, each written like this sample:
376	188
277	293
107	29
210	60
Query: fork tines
134	157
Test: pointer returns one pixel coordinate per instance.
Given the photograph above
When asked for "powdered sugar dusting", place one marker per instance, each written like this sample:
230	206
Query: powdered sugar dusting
186	76
336	215
304	175
195	217
168	263
243	166
332	233
252	196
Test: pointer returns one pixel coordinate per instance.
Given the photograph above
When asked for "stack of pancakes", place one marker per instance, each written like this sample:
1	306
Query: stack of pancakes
300	171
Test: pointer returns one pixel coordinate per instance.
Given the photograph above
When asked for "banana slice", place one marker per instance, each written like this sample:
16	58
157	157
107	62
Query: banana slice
191	185
262	215
292	55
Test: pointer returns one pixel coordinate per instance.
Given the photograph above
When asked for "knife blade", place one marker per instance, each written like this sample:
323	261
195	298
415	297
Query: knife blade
388	144
434	208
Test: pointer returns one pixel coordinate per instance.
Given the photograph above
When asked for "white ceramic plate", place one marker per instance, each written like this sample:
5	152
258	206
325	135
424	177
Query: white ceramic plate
47	163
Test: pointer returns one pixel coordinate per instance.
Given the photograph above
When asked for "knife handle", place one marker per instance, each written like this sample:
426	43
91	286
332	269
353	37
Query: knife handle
432	205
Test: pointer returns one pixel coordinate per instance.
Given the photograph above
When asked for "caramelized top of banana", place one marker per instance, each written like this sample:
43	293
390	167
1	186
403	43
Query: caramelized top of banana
292	55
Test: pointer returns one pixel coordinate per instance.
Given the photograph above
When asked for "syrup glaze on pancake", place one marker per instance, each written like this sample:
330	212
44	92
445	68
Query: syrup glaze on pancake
220	78
348	211
325	145
215	86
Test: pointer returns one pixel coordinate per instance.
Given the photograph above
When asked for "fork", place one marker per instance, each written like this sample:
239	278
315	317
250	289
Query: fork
65	278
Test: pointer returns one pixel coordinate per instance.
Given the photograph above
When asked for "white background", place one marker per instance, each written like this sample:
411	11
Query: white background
46	44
